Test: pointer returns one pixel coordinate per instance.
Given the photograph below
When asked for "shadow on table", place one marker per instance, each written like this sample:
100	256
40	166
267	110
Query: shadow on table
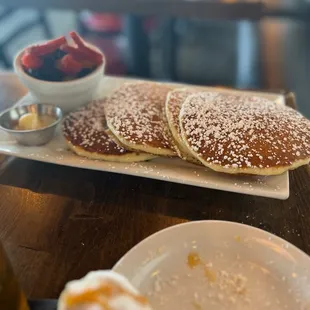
48	304
141	194
90	219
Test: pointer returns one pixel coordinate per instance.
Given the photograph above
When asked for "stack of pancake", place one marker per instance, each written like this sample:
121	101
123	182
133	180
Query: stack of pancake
236	134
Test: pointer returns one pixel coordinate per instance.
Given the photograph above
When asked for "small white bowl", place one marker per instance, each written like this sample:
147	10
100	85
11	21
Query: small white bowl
67	95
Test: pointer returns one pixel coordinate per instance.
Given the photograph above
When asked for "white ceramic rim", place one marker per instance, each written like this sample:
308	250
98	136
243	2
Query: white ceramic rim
148	239
19	69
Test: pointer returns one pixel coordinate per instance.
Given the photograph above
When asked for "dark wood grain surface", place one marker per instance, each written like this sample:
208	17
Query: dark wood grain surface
43	304
57	223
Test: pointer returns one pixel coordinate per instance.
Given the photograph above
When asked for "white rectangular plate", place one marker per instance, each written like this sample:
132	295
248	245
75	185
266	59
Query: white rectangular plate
166	169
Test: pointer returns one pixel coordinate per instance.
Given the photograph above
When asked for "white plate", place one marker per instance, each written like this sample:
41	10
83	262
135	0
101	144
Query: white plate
242	268
172	170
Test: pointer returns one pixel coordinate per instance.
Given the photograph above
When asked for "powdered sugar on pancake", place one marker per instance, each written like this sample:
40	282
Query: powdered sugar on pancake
174	103
135	114
86	128
176	99
244	133
87	135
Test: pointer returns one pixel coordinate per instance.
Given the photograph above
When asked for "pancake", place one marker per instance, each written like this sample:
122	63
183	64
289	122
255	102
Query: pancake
244	134
87	135
136	116
174	103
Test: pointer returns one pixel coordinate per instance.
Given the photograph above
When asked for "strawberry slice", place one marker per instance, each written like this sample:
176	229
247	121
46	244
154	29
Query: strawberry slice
81	56
69	65
48	47
93	55
77	39
75	52
31	61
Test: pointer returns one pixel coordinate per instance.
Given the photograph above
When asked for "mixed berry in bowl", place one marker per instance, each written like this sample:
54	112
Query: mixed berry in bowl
61	59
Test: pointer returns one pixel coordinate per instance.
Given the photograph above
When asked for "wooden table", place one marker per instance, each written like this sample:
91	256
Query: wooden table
57	223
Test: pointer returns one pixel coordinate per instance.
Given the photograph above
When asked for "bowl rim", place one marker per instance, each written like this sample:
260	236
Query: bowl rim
54	124
20	71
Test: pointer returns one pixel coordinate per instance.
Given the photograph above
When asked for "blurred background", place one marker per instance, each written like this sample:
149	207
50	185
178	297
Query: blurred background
271	51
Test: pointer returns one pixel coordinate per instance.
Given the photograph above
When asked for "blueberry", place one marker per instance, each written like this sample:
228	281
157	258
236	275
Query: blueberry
85	72
35	73
51	74
49	60
58	54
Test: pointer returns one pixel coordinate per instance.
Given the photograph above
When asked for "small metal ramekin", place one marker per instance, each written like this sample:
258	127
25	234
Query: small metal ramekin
9	120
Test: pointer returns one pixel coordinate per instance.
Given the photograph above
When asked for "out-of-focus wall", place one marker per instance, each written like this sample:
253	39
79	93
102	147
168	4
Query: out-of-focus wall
297	62
59	21
285	48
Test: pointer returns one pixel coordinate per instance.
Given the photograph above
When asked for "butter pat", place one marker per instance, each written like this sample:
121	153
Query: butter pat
32	121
